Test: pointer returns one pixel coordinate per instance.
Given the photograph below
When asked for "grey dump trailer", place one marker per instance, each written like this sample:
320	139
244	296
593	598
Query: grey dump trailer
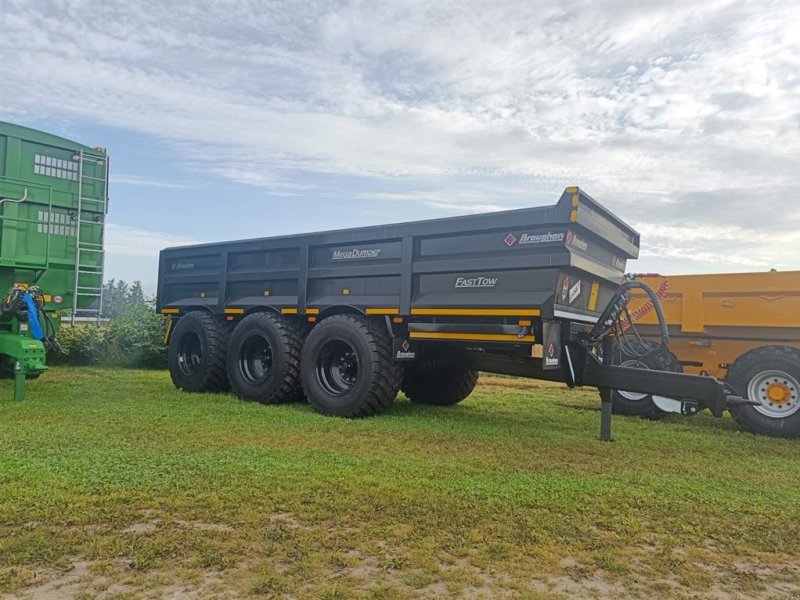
346	319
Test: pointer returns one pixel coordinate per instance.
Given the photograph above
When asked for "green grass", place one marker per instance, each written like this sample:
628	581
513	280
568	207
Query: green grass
114	483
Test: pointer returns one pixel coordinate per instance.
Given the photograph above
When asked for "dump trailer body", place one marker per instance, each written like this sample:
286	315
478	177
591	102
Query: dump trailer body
53	202
517	292
723	324
562	261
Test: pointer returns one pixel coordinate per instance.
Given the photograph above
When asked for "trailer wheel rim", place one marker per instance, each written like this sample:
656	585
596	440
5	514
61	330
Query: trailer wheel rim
633	396
337	367
255	360
190	353
778	392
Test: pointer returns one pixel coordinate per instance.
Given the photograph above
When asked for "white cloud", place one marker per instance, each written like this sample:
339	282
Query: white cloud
131	241
653	109
132	253
138	180
728	248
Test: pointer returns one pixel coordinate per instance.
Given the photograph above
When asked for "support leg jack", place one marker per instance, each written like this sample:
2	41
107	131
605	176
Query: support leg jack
605	419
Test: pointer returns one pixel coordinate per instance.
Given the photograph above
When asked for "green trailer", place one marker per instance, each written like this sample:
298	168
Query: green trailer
53	206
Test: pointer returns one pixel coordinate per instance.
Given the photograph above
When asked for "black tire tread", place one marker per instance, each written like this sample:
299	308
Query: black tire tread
438	382
387	375
288	389
217	334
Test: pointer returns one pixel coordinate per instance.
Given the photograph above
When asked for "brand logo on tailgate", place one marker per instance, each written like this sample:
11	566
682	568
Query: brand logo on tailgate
475	282
510	239
356	253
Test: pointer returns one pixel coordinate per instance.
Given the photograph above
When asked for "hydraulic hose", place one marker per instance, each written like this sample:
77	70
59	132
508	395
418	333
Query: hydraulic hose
610	317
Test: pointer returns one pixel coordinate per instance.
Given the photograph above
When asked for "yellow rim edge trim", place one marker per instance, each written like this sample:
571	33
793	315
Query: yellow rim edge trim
234	311
288	311
482	337
482	312
170	311
382	311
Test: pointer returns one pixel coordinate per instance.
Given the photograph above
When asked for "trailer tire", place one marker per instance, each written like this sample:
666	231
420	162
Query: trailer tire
196	354
756	375
438	382
264	359
347	368
7	372
634	404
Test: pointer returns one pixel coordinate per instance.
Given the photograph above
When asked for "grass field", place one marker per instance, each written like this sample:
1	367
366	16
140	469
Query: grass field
113	484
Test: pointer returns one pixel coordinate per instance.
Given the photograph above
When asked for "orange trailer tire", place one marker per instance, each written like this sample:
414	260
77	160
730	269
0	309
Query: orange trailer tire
770	374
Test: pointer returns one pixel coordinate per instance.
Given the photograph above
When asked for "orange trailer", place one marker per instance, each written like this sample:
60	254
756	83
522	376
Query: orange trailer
743	328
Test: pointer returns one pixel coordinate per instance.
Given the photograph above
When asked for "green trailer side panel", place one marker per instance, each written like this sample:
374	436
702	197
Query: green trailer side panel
41	177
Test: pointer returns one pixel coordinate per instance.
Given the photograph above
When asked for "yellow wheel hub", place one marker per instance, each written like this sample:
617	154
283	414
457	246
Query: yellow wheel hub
778	393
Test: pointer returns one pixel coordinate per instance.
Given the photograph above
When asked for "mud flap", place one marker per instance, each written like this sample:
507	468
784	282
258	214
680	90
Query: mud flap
403	349
551	343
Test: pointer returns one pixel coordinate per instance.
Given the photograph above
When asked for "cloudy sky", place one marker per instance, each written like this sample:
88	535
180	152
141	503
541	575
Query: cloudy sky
242	119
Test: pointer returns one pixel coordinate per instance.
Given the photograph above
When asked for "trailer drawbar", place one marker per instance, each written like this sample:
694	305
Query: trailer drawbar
346	319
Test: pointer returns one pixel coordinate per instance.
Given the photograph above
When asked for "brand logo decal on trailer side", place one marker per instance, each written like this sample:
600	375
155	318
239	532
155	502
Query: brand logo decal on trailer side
564	289
475	282
574	291
180	266
541	238
356	253
510	239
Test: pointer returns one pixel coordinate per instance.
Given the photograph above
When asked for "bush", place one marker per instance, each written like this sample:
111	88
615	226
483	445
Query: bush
135	338
83	343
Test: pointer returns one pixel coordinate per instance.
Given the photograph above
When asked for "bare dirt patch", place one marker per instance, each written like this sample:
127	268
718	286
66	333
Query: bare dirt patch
80	581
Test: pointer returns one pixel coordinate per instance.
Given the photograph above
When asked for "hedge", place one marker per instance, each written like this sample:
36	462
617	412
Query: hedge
135	338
